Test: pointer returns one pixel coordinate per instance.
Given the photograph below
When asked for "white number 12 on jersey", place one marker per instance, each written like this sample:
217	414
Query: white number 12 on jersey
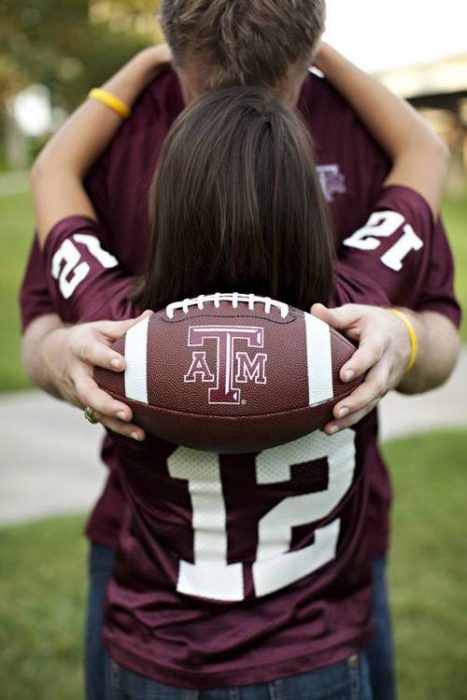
383	224
210	576
67	266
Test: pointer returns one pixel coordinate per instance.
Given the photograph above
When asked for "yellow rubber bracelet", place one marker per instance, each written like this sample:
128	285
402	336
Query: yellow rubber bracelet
412	335
116	104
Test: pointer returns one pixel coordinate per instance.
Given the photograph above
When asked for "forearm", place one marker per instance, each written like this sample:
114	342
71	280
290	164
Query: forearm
438	350
392	121
89	130
419	156
57	174
34	358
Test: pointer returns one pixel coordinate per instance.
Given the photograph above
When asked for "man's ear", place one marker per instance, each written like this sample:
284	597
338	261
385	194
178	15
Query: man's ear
192	81
315	51
290	86
185	88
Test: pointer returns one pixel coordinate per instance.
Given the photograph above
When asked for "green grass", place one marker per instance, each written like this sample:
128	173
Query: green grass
42	585
455	218
429	565
16	225
41	608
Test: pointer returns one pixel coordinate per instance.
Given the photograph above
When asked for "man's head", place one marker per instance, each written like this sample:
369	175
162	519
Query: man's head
217	43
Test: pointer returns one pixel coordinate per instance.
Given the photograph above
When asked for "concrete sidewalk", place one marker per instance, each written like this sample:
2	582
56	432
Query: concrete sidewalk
49	455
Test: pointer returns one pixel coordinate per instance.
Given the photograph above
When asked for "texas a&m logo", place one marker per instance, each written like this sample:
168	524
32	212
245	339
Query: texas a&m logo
232	365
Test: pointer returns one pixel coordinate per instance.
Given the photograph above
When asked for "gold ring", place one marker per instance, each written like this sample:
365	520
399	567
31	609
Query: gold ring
90	415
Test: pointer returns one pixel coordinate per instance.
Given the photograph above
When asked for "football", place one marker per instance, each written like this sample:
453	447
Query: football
230	373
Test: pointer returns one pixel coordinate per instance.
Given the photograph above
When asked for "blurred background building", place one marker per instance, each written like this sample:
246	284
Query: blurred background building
439	91
419	50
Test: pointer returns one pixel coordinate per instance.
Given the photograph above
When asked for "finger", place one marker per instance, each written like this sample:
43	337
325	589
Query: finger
115	329
129	430
337	425
165	53
341	318
373	389
96	353
320	311
90	394
368	353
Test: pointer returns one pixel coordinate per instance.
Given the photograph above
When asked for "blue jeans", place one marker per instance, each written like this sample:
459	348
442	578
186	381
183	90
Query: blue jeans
347	680
380	650
100	563
101	559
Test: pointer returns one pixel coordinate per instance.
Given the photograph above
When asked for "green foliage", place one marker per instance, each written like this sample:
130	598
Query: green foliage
70	46
42	584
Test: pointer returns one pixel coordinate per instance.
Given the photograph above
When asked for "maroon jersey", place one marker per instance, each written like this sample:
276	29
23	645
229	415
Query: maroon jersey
391	252
351	169
248	567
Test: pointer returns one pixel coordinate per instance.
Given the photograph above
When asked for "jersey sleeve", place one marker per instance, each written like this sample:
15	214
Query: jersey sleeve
354	287
392	250
438	292
34	296
85	282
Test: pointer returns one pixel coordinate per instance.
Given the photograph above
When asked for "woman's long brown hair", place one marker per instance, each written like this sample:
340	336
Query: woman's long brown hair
236	205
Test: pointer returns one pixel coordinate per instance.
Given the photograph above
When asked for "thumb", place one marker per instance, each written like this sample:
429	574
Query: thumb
115	329
321	312
343	318
340	318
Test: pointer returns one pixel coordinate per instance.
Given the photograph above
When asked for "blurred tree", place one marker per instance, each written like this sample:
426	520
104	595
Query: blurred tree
70	46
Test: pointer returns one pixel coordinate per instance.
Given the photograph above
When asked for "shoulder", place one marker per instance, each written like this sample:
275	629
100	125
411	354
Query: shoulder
405	200
161	102
333	122
316	88
320	100
128	158
351	165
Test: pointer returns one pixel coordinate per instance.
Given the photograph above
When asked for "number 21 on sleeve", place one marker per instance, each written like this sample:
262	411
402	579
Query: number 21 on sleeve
70	270
383	224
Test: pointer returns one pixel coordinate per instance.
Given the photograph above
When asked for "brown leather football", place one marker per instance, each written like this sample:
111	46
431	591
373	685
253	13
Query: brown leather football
230	373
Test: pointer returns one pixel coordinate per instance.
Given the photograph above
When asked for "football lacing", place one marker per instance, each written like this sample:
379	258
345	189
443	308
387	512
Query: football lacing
235	299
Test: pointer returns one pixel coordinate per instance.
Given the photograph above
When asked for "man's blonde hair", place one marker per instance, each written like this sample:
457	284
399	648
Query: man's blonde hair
246	42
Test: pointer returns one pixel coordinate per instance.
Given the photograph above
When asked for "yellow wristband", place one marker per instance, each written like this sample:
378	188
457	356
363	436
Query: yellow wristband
412	335
111	101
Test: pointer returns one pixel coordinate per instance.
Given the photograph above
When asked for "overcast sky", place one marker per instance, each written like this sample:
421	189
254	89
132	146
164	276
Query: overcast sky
380	34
